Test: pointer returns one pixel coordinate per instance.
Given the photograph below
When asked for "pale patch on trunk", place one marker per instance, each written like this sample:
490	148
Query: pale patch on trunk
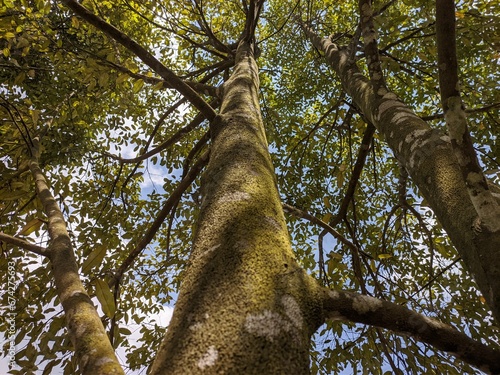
292	310
209	358
455	119
268	324
236	196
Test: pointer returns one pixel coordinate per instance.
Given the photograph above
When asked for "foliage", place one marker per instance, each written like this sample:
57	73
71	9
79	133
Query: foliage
91	97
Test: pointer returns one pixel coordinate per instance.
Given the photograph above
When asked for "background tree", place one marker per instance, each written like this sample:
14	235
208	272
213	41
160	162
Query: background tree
89	92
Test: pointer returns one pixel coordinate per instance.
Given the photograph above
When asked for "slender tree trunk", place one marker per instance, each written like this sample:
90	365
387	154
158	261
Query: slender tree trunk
245	307
93	350
428	157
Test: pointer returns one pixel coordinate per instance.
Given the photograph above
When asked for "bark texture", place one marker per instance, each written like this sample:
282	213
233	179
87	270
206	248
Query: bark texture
340	305
94	353
428	157
481	197
245	307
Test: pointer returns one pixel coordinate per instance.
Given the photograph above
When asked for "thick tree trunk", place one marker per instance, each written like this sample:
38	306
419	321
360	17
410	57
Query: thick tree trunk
244	307
427	155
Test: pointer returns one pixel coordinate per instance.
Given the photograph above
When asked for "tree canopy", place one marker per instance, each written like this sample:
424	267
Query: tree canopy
112	106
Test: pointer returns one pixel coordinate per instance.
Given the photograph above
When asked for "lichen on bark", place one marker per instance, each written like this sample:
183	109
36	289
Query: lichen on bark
242	291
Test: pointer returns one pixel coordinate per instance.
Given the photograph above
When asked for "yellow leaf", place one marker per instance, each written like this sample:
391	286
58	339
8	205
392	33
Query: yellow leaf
9	35
94	259
384	256
75	23
482	299
158	86
138	86
105	297
31	226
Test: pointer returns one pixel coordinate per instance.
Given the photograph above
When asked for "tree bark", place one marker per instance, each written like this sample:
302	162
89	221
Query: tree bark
340	305
428	157
245	306
486	206
94	353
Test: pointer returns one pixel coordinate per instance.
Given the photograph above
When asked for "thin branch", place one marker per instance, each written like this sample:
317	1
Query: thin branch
313	219
406	37
23	244
364	149
155	226
214	41
169	142
436	276
468	110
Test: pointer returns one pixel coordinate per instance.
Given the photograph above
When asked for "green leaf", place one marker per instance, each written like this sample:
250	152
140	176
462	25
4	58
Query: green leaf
31	226
122	78
158	86
94	259
326	201
105	297
327	217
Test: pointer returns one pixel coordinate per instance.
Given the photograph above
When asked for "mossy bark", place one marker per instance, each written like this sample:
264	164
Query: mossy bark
93	350
428	157
244	307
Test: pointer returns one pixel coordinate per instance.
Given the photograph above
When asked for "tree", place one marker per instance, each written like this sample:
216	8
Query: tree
184	83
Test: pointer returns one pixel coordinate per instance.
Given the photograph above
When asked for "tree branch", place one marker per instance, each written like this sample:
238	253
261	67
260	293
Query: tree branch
155	226
23	244
467	110
173	80
369	34
364	149
174	138
486	206
84	325
358	308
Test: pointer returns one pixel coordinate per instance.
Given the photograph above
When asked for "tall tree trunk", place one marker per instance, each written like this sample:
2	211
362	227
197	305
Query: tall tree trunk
428	157
245	307
93	350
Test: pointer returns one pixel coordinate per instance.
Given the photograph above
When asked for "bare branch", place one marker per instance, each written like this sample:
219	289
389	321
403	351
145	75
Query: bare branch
169	142
467	110
313	219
